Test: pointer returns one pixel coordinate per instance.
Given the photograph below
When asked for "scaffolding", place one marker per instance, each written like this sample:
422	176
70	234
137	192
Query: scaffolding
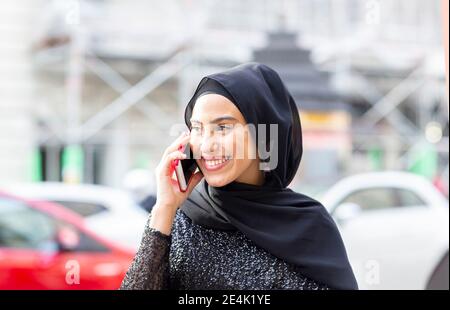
183	40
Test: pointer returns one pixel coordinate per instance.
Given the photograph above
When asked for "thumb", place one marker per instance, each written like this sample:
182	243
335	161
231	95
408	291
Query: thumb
196	178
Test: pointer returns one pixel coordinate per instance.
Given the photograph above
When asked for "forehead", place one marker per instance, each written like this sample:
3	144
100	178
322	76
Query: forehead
211	106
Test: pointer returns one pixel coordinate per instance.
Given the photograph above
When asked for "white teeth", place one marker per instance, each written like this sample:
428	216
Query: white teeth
212	163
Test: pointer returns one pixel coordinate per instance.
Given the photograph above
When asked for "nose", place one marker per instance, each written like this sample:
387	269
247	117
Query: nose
208	145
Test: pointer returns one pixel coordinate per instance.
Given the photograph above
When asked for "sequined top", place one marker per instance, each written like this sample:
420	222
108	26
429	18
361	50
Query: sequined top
195	257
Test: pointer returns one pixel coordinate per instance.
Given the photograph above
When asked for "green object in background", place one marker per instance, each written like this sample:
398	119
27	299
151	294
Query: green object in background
36	166
424	161
72	164
376	157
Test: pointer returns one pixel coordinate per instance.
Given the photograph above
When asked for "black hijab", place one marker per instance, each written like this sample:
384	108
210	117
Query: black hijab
289	225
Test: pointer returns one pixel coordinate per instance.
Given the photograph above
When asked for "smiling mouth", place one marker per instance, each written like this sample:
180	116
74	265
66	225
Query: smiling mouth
215	163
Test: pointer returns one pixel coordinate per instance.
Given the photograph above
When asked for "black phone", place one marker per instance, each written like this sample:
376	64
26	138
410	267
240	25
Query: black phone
185	168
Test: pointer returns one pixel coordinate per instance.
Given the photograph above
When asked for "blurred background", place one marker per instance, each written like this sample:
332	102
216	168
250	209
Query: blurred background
90	91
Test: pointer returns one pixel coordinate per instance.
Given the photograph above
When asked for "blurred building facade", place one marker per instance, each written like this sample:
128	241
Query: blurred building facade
326	118
90	89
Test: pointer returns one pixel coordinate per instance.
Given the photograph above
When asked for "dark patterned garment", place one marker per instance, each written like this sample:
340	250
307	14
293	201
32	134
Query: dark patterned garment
194	257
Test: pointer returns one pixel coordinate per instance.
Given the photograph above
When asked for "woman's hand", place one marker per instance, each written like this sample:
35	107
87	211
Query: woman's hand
168	196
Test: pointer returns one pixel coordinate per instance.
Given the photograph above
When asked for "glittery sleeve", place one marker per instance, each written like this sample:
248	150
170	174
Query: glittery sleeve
150	267
291	278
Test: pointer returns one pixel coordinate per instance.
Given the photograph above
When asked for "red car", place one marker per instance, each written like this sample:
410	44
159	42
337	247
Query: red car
45	246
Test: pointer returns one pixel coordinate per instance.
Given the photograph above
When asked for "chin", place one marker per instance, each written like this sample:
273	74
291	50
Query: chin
217	181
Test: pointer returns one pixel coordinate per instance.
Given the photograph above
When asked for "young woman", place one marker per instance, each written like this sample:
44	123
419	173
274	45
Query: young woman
238	226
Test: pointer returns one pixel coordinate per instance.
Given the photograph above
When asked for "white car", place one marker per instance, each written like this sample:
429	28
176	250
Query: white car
395	226
111	213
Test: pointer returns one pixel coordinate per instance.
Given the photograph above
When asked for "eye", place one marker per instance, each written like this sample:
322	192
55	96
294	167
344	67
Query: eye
196	128
224	127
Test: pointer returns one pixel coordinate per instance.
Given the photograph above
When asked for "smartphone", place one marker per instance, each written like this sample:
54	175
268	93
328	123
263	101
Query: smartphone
185	168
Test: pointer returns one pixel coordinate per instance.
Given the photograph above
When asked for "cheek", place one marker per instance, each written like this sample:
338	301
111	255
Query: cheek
228	146
239	145
195	147
243	146
242	151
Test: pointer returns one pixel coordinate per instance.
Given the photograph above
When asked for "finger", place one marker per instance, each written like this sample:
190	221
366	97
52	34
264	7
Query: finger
183	139
167	165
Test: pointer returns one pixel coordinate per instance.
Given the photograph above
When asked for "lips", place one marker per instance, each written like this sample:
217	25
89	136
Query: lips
215	163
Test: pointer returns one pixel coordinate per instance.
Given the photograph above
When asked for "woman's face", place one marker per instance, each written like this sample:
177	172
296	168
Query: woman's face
222	144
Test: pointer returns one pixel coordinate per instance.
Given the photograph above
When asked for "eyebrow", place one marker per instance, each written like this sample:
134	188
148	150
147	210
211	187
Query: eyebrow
217	120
